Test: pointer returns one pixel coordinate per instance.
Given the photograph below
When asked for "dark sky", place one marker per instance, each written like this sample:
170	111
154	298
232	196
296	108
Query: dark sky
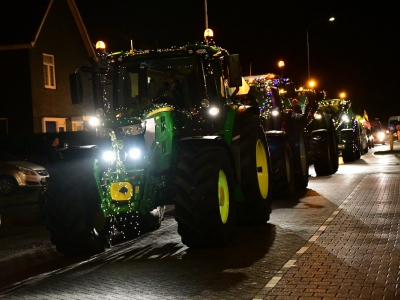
358	53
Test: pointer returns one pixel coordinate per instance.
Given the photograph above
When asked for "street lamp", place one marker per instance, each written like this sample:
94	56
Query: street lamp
308	46
342	95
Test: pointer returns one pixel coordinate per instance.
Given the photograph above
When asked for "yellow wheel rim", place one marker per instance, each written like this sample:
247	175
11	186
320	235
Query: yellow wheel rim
262	169
223	196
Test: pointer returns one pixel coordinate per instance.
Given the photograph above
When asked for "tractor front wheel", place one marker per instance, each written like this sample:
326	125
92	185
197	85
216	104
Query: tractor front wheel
74	218
204	195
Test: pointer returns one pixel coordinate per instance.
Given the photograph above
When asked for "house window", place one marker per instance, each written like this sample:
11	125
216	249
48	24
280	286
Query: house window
49	71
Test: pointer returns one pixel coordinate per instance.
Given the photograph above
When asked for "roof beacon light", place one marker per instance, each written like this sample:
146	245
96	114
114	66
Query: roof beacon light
100	45
208	34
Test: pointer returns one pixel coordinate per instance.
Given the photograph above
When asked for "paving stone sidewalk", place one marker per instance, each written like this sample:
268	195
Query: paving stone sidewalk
354	255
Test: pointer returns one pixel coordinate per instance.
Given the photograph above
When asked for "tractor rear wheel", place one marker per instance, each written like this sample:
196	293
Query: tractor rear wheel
255	175
349	152
300	162
204	195
74	217
324	145
282	171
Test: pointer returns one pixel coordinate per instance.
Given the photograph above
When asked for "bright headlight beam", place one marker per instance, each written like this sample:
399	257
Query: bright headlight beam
345	118
109	156
214	111
134	153
94	121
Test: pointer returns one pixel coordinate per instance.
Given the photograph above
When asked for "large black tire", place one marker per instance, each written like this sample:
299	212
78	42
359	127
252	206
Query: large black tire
300	163
349	153
299	148
325	149
255	175
74	217
204	188
282	171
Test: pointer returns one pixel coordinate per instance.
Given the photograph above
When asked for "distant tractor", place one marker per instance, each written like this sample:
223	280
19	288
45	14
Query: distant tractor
321	133
350	130
285	133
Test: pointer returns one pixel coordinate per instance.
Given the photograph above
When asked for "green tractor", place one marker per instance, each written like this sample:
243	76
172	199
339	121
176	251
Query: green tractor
351	133
320	131
189	142
284	130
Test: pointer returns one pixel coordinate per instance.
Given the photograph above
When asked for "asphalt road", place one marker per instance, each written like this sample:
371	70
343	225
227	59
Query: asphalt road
157	265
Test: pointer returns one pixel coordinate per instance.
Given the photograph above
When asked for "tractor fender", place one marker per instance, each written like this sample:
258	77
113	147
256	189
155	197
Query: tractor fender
199	141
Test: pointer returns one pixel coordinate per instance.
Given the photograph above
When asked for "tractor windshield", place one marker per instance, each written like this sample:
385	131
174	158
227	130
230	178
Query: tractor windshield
176	81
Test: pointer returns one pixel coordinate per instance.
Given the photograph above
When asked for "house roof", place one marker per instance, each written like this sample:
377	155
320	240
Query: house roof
20	24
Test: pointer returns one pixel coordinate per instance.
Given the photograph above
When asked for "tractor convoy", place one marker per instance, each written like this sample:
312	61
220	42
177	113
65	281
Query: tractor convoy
182	127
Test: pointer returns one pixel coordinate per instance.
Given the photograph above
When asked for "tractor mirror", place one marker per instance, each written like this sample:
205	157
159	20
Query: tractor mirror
234	71
75	83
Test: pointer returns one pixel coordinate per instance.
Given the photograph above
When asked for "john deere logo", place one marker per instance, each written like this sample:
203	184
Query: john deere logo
121	191
124	190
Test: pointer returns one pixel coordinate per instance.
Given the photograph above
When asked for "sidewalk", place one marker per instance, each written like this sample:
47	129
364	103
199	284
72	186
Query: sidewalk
355	254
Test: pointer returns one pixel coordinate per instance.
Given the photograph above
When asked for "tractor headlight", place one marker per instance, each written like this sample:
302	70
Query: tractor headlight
135	153
205	103
345	118
214	111
134	129
109	156
94	121
275	112
99	112
317	116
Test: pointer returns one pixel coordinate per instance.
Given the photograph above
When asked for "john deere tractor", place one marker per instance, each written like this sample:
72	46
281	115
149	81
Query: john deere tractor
285	132
193	144
350	128
320	131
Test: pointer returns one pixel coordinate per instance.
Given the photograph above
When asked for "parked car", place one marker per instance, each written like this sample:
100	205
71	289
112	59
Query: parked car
16	174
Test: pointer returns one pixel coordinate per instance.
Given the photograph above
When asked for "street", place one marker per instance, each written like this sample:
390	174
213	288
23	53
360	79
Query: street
157	265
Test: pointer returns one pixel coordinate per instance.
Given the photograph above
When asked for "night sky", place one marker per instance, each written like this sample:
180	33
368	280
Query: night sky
358	53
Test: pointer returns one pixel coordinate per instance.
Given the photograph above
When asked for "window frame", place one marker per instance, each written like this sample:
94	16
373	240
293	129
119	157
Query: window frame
49	71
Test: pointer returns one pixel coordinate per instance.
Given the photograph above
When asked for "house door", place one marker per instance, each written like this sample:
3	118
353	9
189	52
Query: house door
54	124
51	126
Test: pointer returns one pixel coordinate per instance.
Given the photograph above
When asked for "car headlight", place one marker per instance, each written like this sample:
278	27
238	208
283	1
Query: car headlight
275	112
103	132
381	135
27	171
134	129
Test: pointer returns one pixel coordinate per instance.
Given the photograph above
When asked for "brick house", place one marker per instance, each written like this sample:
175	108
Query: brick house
45	42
